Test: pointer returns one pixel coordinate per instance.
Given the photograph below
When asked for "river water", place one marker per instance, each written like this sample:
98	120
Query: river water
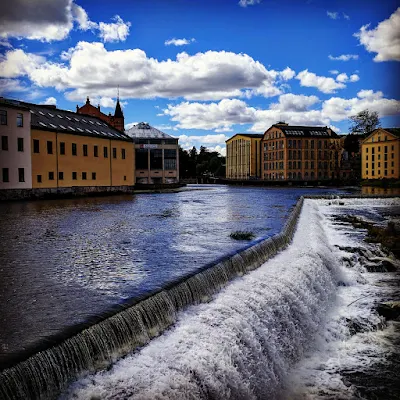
302	326
64	261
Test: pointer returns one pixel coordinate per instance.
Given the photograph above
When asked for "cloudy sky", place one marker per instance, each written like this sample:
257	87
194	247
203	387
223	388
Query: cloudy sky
203	70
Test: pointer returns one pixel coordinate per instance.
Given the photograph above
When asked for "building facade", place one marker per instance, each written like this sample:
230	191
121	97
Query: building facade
15	148
243	156
305	153
156	155
72	150
117	120
380	154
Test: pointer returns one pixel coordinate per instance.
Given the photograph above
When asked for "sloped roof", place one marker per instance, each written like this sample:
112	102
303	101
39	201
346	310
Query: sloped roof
118	111
305	131
53	119
250	135
143	130
393	131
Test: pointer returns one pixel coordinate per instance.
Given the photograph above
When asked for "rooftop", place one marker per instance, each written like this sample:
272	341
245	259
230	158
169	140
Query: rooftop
51	118
393	131
305	131
143	130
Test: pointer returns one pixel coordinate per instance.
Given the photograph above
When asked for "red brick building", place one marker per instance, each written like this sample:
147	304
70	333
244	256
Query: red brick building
116	120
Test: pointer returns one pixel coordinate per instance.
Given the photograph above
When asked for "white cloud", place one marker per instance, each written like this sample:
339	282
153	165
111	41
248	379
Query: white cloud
384	39
335	128
207	139
354	78
53	20
219	149
91	70
17	63
344	57
334	71
230	112
345	16
6	44
50	101
322	83
11	85
245	3
342	78
179	42
332	15
293	102
114	32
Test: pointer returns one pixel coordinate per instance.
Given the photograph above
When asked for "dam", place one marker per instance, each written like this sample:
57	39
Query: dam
255	336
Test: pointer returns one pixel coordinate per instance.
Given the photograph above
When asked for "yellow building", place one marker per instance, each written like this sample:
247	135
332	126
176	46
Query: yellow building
380	154
70	149
303	153
243	156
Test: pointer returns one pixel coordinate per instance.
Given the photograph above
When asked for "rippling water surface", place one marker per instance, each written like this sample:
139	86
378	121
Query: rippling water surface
62	261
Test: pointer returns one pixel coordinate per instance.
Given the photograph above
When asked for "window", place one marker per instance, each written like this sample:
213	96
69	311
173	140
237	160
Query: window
84	176
39	178
61	176
366	165
123	154
20	142
74	176
124	177
20	119
170	159
4	142
51	176
74	151
114	152
35	145
141	158
62	148
367	149
49	147
6	178
94	176
96	151
386	149
21	174
105	152
155	159
85	150
3	117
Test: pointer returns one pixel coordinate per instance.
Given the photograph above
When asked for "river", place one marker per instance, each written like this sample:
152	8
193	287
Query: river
64	261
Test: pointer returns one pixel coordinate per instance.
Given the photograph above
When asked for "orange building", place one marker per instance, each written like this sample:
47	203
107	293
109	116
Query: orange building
116	120
70	150
380	154
300	153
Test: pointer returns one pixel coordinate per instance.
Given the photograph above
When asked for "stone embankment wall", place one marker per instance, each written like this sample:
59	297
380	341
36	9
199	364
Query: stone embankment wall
54	193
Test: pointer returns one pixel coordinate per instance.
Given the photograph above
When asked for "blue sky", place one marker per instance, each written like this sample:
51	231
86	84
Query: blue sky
203	70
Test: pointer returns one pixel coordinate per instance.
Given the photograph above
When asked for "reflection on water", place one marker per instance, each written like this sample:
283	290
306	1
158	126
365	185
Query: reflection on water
380	191
63	261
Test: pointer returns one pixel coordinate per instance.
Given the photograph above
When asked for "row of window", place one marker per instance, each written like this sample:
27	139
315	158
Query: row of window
379	157
379	149
297	155
379	172
296	144
296	175
61	176
5	146
6	175
74	149
379	165
297	165
3	118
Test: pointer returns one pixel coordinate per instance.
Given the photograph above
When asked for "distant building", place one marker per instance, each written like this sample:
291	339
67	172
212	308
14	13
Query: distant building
15	148
243	156
117	120
381	154
156	155
71	150
304	153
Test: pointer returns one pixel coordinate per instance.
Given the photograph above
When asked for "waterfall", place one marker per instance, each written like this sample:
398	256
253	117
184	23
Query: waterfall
45	374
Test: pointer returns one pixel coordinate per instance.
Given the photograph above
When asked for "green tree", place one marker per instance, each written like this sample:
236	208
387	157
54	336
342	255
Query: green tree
364	122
